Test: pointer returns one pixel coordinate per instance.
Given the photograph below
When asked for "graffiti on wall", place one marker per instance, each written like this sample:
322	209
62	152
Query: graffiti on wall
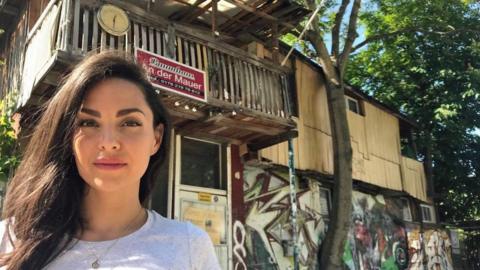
430	250
377	240
262	241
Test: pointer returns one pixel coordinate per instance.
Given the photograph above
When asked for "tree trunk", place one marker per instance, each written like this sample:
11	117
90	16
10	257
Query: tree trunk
334	244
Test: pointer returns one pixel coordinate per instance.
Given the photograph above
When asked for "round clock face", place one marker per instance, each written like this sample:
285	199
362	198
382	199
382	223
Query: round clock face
113	20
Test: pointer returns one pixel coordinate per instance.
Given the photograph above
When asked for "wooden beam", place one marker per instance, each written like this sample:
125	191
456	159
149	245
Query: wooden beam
257	12
255	146
264	8
187	11
214	17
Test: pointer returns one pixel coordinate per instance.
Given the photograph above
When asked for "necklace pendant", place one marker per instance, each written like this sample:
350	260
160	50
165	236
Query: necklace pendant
95	264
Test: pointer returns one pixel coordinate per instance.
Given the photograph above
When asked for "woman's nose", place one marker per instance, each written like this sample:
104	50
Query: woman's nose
108	140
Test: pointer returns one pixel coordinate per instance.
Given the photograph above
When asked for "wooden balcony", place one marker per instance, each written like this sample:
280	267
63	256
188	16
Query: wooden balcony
248	97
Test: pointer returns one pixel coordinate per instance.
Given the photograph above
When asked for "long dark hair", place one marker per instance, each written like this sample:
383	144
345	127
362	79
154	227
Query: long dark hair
42	207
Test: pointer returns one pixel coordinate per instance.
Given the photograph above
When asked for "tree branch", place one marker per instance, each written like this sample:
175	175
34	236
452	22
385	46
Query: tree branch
351	36
336	28
315	38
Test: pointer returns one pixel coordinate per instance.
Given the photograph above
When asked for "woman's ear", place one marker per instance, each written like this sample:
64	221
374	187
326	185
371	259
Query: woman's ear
158	134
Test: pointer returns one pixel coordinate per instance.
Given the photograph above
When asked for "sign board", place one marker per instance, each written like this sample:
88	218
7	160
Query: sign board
173	76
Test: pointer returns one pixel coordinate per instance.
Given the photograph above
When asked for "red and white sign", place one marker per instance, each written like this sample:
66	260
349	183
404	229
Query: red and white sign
173	76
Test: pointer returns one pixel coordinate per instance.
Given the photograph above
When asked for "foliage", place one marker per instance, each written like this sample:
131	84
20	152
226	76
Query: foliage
429	69
8	158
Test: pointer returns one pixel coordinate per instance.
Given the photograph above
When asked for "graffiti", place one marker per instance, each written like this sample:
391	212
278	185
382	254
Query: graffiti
430	250
239	250
377	239
438	250
268	221
415	250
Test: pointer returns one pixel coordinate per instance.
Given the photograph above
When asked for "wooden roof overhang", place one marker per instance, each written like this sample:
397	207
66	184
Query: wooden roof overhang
259	118
234	21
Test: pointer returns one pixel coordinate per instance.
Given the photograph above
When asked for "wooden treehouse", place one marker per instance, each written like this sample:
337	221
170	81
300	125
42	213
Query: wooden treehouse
248	99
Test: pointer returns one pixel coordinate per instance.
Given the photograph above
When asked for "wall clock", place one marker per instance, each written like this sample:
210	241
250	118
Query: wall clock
113	20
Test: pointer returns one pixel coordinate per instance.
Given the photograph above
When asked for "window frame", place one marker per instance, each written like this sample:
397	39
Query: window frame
406	202
431	211
222	167
357	105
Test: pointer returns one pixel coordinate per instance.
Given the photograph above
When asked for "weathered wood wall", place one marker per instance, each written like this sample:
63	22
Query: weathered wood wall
375	140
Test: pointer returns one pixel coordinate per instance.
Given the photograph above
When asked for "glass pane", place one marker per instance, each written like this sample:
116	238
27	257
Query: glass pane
353	106
200	164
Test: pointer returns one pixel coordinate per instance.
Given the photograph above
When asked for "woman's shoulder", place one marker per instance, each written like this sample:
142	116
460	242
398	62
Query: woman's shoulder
164	224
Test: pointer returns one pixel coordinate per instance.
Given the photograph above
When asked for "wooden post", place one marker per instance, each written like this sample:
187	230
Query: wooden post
171	48
214	17
275	45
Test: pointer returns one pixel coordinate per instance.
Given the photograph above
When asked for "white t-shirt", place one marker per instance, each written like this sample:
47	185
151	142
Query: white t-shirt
159	244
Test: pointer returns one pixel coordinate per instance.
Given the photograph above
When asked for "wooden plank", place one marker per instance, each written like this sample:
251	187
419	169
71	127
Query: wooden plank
186	54
179	50
231	79
76	25
61	31
128	41
204	57
260	89
95	31
253	87
278	92
103	41
219	72
266	91
171	46
85	31
211	78
158	40
199	56
241	82
144	37
275	92
193	58
111	42
121	42
151	40
285	108
247	91
136	35
224	89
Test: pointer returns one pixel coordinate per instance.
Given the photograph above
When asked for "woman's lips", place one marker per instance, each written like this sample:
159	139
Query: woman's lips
109	164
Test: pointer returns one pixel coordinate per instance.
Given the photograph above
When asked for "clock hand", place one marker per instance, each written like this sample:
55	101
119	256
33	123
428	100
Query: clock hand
114	18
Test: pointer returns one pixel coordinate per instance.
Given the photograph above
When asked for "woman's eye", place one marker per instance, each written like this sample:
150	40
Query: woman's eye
87	123
131	123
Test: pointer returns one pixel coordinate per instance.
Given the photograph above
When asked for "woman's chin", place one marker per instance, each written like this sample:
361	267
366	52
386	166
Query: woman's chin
111	184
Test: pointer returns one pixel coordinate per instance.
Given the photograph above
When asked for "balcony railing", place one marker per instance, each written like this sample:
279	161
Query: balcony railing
236	78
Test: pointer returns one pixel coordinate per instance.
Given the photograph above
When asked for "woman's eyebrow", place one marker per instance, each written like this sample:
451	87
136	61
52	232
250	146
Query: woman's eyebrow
91	112
128	111
119	113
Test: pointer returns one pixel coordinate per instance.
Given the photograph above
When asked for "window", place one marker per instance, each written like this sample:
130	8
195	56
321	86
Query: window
352	104
407	215
427	213
203	164
324	202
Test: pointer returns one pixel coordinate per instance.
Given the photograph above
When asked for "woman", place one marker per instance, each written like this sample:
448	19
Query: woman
77	199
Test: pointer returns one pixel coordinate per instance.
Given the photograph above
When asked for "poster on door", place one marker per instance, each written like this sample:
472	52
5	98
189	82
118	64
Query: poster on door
209	217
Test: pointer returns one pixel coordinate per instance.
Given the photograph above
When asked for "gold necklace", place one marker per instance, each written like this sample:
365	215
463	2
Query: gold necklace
96	263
